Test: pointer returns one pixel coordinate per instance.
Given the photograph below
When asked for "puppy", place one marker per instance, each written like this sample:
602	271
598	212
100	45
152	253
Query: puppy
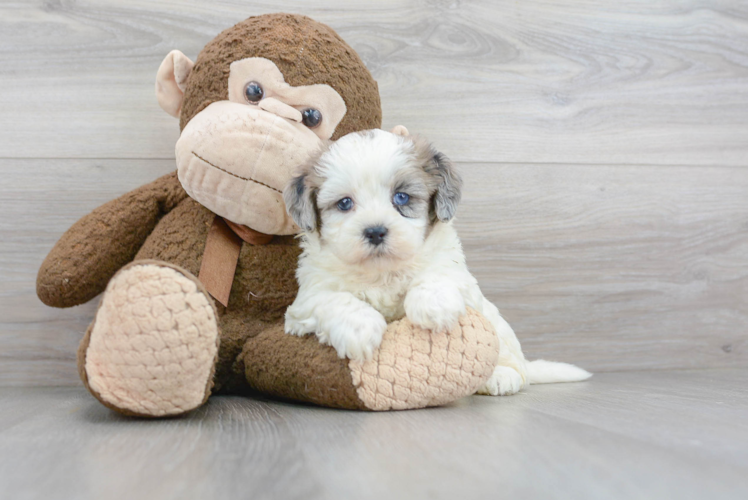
376	209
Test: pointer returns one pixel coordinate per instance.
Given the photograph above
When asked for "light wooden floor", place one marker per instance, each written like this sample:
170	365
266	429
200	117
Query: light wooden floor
655	435
604	147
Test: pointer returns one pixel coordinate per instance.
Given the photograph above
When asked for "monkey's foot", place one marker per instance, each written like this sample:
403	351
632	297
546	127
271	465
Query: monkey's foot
152	348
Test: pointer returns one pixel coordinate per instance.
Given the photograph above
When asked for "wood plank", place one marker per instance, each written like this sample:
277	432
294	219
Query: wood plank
611	267
614	267
41	200
561	82
623	435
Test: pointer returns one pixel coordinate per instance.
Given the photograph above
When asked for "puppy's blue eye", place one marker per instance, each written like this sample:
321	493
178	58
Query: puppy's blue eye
345	204
400	198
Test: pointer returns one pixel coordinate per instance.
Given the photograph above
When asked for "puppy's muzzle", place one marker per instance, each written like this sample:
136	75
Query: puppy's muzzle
375	235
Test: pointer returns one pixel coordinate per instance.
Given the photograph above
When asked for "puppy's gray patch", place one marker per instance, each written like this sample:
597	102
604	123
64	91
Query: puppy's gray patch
448	183
300	203
300	195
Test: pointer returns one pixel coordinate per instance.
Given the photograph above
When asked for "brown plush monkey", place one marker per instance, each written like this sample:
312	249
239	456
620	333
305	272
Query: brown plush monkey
260	98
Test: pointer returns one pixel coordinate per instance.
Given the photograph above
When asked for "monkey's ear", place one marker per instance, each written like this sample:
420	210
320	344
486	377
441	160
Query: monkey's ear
301	203
171	81
400	130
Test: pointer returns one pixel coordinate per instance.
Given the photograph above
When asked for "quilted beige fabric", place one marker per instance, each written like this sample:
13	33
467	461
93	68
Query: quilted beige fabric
154	342
422	368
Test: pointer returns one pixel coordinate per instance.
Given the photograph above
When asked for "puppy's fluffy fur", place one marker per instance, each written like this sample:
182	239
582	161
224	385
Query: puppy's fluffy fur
378	244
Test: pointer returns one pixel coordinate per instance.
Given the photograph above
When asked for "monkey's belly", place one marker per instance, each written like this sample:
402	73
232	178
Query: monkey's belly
264	283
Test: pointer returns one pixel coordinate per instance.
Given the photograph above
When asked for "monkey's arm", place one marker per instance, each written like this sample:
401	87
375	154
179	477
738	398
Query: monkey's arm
89	253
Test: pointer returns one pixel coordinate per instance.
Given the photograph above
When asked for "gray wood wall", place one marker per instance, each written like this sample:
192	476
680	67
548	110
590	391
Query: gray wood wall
604	147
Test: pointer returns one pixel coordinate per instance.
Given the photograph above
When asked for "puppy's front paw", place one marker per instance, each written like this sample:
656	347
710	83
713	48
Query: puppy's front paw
298	325
504	381
434	307
358	334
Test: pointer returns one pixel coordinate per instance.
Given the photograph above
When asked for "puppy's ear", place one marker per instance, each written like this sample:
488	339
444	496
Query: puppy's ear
300	198
448	182
300	195
449	191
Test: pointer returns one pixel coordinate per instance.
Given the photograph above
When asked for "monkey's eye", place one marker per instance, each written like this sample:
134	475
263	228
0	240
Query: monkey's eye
253	92
400	199
345	204
311	117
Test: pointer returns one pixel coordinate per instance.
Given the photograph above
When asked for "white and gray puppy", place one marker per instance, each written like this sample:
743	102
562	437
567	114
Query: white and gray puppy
376	209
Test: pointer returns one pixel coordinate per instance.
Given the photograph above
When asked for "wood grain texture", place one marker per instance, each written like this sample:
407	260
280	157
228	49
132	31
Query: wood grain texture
563	82
611	267
618	436
614	267
41	200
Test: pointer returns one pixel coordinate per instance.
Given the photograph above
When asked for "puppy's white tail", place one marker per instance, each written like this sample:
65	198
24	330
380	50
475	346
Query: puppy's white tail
541	371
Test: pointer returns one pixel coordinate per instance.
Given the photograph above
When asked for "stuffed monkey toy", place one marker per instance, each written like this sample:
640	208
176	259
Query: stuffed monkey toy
198	267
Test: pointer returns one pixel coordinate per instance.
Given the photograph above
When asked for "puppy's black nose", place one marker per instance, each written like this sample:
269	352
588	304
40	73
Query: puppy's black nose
375	234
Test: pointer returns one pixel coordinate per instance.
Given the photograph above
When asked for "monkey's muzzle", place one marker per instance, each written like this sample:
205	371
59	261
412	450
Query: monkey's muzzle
236	159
